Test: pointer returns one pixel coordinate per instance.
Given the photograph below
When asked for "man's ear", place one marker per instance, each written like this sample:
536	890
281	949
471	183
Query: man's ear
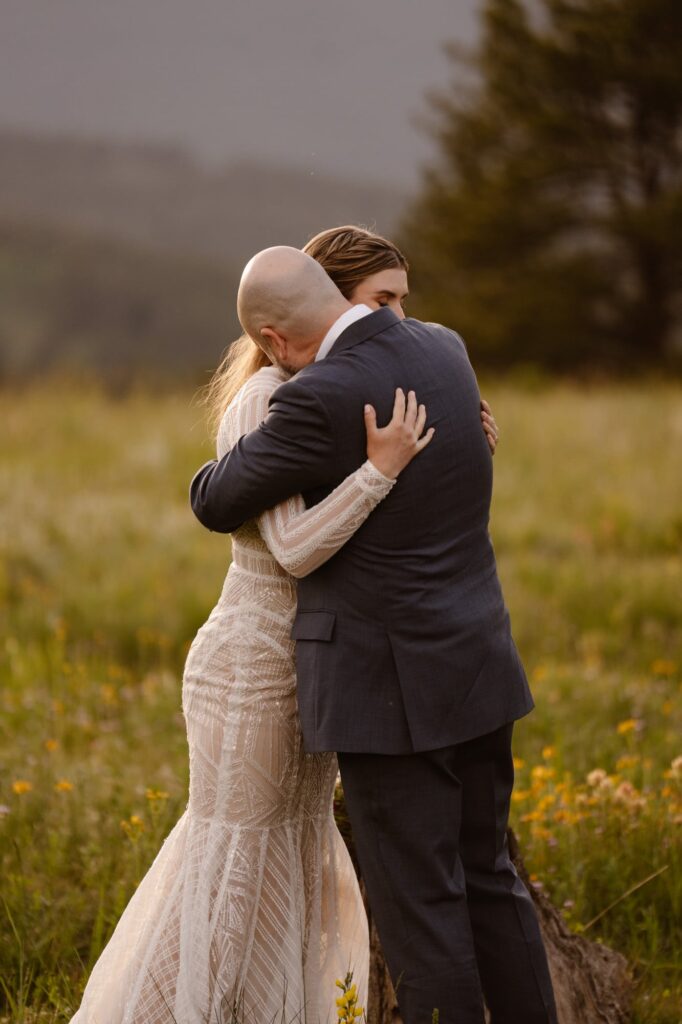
274	344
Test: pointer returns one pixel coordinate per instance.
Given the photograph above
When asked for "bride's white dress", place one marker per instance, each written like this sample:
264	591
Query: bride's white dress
251	909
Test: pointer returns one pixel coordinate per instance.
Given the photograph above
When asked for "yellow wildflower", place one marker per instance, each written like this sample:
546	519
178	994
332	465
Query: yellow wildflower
347	1009
541	772
548	752
22	786
133	827
627	761
540	832
540	672
627	726
663	667
109	694
63	786
51	745
518	763
156	794
563	815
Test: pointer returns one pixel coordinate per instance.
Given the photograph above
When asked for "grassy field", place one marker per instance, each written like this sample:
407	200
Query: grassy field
105	577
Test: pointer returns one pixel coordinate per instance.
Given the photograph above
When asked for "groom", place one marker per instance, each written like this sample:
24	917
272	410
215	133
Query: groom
405	660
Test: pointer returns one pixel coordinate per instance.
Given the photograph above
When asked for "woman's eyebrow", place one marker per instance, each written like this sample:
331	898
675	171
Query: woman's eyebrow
391	295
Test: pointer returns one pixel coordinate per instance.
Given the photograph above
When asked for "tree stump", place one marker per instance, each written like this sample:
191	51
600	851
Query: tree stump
592	983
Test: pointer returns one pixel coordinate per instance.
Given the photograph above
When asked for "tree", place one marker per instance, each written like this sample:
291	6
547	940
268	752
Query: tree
550	229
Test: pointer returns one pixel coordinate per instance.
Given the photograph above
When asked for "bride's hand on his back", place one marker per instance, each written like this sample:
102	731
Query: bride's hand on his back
392	447
492	431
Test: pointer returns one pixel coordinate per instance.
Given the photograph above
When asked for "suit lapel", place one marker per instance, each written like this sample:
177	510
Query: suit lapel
364	328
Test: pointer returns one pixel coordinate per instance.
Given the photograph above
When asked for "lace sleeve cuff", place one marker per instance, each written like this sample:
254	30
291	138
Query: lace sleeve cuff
373	480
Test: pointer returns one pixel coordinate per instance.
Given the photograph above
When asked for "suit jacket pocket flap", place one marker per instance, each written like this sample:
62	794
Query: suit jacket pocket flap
314	626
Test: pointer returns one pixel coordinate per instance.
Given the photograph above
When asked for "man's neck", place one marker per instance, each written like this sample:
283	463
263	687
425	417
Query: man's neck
334	315
339	325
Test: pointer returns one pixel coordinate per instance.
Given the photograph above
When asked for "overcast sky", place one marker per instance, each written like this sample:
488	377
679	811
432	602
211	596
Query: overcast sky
330	86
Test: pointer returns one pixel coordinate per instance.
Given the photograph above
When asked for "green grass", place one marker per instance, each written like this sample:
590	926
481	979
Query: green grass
105	578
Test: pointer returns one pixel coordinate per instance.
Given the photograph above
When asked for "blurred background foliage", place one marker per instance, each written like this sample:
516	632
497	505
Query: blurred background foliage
551	229
547	230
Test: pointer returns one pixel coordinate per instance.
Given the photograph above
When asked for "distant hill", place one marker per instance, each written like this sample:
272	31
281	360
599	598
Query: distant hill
77	303
160	197
124	259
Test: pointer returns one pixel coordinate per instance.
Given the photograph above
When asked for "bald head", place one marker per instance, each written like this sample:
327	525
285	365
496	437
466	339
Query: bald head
286	294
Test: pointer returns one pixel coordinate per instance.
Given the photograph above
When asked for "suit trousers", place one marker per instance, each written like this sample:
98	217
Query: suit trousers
456	922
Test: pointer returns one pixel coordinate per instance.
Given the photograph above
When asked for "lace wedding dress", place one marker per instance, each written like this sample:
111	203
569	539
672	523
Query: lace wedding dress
251	909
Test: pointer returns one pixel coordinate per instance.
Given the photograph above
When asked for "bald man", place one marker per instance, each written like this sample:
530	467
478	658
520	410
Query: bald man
405	661
286	302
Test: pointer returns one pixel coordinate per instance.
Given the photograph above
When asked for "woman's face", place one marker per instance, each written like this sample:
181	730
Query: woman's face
387	288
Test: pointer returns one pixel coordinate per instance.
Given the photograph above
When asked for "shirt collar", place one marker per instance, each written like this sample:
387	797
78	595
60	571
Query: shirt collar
339	326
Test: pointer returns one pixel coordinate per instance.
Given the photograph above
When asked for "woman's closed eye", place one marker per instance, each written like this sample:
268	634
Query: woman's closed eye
396	302
385	288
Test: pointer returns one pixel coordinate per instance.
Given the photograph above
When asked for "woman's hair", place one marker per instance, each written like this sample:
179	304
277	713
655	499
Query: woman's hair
242	359
349	254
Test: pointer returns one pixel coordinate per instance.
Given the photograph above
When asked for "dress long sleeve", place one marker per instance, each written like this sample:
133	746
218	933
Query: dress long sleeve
292	451
303	539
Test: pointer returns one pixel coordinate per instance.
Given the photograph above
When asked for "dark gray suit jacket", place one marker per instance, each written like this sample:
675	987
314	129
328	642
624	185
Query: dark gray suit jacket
403	640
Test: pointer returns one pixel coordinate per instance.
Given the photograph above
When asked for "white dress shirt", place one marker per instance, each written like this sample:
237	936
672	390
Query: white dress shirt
337	328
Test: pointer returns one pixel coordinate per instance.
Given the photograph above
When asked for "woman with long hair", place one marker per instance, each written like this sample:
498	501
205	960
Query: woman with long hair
251	909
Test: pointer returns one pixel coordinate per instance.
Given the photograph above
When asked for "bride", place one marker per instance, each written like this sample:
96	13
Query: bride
251	909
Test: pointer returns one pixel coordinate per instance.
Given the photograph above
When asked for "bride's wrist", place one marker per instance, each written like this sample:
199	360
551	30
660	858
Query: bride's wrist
381	471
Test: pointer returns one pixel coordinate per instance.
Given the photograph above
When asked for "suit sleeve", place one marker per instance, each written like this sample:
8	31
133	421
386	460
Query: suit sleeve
293	450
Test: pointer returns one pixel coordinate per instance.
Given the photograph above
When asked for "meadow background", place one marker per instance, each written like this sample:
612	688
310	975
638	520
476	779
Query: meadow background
106	577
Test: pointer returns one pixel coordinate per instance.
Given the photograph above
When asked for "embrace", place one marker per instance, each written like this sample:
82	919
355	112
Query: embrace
361	629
